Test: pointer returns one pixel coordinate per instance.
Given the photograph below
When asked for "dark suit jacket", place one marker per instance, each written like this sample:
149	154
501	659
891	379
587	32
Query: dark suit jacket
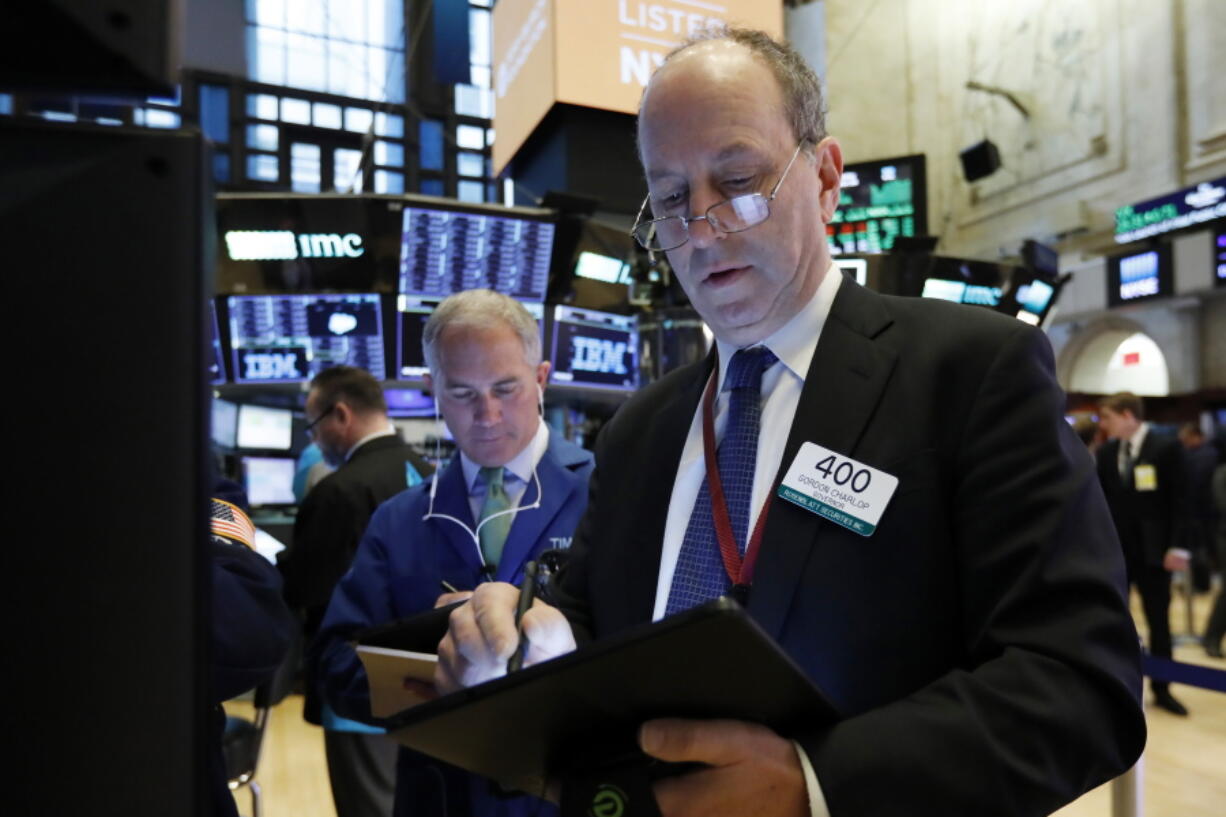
978	642
329	525
1147	521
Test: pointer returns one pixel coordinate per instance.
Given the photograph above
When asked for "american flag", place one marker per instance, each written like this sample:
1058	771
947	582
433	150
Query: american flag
230	521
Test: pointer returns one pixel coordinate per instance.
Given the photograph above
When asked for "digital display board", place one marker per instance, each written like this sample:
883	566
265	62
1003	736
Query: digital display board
217	366
291	338
261	427
602	268
594	349
269	480
960	292
444	251
1219	255
225	423
1175	211
879	201
1139	276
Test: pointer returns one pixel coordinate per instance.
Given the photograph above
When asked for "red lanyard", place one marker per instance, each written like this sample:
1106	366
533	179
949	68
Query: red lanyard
739	570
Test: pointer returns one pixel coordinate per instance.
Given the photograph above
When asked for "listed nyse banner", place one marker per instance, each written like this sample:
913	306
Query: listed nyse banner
594	53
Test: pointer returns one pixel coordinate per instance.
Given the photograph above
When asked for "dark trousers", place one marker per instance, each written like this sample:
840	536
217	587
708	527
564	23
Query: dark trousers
362	771
1154	585
1216	628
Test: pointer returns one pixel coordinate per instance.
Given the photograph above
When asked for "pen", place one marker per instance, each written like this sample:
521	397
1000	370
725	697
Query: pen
527	591
447	586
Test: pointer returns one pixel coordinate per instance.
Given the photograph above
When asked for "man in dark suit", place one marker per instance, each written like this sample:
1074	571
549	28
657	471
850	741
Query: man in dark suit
484	351
977	642
1143	477
347	416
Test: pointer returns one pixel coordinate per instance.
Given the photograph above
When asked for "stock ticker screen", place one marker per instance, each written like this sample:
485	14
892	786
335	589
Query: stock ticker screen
291	338
594	349
878	202
446	251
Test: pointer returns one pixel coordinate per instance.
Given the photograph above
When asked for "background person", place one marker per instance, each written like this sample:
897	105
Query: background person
979	641
484	354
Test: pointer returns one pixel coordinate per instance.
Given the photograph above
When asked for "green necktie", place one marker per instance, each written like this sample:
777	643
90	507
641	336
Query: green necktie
493	534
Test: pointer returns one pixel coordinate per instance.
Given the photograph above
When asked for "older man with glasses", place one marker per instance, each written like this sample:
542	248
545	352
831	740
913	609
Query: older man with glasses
970	625
346	416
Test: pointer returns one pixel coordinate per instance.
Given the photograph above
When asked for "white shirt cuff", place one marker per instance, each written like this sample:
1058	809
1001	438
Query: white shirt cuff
817	800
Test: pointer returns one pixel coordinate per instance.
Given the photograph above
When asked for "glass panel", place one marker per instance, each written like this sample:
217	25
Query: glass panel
472	191
155	118
215	112
346	74
262	168
6	103
470	164
431	134
267	63
262	137
480	75
297	111
386	24
304	62
469	136
345	164
479	37
358	120
266	12
473	101
483	3
262	106
387	181
393	82
327	116
221	166
347	20
389	124
304	164
389	153
432	187
306	16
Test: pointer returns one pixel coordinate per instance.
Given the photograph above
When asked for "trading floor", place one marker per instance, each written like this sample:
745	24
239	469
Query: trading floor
1182	767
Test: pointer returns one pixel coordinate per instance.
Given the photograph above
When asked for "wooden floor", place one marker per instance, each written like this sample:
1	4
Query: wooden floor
1183	769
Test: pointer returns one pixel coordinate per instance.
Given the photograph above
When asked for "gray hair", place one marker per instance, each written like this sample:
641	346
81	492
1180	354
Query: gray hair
802	90
481	307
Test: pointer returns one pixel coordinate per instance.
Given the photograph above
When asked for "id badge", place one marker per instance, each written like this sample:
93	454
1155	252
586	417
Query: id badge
838	488
1145	478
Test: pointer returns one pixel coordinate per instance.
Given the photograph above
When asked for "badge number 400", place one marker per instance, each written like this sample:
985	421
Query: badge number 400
844	473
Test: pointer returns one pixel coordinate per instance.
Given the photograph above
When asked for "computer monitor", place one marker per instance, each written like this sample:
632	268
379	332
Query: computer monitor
1219	255
450	248
879	201
225	423
594	349
264	428
1140	276
291	338
408	403
269	480
412	313
605	268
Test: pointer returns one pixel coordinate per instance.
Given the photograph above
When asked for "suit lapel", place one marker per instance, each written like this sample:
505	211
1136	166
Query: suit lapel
558	482
451	500
666	435
844	384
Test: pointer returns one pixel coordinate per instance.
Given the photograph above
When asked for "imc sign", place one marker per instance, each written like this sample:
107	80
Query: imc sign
593	53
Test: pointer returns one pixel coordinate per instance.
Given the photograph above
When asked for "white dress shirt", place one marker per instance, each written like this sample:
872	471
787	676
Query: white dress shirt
794	344
515	476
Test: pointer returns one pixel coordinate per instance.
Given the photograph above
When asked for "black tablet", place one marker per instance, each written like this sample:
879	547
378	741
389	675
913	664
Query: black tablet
576	711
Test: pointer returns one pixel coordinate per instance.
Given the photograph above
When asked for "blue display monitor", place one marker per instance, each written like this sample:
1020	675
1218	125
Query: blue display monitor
1219	255
605	268
291	338
1139	276
594	349
264	428
408	403
411	316
225	424
269	480
447	249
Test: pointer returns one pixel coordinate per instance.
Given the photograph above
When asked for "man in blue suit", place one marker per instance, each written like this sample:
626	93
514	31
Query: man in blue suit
514	490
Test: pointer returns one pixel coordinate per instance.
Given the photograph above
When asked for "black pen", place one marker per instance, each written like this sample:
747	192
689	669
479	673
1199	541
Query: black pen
527	591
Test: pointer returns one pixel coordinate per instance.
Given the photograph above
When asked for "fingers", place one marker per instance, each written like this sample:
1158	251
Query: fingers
715	742
548	633
421	689
481	636
451	598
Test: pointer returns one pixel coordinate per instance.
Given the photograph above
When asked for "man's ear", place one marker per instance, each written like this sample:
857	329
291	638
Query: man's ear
828	161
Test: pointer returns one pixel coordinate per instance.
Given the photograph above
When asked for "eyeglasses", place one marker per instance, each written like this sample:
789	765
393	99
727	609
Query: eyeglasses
729	216
310	427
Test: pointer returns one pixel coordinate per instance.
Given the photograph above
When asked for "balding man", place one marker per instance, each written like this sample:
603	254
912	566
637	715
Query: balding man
977	640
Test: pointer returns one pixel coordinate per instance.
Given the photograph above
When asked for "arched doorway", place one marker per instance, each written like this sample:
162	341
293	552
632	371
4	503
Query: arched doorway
1119	359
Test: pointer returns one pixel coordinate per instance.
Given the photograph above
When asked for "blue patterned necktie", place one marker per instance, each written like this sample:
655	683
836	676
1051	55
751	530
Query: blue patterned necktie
700	574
